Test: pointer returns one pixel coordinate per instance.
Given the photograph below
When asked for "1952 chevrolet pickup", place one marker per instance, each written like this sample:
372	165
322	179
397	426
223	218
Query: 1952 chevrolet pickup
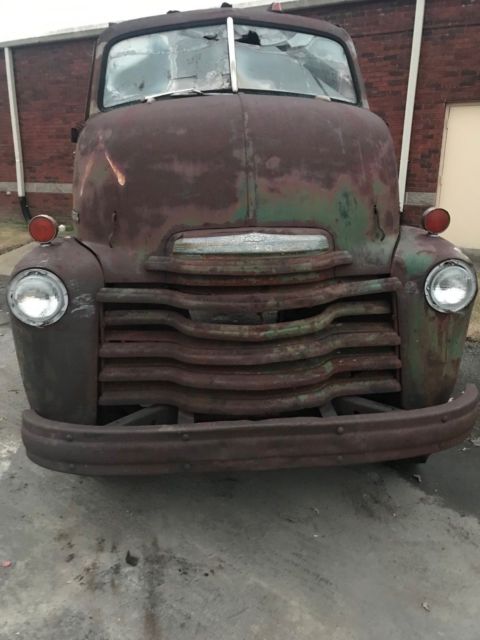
240	292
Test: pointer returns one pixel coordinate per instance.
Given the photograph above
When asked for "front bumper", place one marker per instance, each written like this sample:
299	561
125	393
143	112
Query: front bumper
245	444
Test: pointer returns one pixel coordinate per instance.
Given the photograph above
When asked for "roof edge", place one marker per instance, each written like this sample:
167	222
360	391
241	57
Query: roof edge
91	31
75	33
298	5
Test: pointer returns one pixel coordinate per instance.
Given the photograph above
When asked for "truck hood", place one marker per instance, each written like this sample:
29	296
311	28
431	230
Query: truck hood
145	172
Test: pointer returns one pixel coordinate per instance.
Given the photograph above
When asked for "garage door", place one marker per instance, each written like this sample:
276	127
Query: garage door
459	181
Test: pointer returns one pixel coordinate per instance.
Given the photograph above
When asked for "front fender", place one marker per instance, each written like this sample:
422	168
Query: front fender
431	342
58	362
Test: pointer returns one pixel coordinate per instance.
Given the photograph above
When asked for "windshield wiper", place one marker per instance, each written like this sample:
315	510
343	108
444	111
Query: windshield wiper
169	94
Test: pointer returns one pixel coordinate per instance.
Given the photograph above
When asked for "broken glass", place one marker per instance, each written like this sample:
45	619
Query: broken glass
195	60
293	62
167	62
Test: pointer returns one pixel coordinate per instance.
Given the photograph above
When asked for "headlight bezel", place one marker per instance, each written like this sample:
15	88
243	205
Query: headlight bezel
433	275
53	280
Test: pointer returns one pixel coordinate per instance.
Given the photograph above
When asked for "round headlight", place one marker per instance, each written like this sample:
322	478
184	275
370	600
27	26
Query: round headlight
37	297
451	286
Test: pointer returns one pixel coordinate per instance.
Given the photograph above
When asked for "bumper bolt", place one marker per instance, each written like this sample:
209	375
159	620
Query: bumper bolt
185	436
69	437
339	458
187	466
340	430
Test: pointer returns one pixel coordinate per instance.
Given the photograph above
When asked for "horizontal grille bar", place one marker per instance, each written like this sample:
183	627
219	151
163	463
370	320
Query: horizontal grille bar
254	266
246	332
191	280
249	378
177	347
259	404
274	299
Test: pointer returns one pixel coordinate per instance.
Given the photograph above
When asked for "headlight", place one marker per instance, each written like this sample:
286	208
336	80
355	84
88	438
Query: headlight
450	286
37	297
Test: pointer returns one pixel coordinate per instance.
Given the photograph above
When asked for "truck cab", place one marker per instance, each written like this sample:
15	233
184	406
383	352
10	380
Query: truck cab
240	291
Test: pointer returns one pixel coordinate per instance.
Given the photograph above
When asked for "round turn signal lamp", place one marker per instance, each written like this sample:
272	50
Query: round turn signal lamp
435	220
43	228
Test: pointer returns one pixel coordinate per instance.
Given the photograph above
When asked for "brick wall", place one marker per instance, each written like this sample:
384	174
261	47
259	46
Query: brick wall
51	92
382	33
449	71
52	84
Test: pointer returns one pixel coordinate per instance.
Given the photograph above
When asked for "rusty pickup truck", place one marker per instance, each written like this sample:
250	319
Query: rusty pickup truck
240	291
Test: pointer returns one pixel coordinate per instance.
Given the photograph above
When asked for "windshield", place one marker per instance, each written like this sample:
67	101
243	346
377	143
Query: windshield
196	60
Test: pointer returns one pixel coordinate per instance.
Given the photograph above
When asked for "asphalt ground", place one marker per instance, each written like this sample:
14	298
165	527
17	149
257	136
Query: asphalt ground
370	552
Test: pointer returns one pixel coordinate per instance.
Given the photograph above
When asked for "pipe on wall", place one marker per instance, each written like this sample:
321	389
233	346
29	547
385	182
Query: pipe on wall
410	101
17	143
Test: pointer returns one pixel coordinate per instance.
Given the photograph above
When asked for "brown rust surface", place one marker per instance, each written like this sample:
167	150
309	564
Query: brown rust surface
264	403
246	270
59	362
432	342
250	379
335	172
177	347
274	299
244	332
145	173
304	358
241	265
243	444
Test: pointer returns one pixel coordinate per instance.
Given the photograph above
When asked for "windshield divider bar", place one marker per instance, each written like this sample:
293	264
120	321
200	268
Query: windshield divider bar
231	55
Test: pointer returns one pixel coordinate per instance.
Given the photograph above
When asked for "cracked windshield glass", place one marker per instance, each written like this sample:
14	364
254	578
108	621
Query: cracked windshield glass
196	60
167	62
292	62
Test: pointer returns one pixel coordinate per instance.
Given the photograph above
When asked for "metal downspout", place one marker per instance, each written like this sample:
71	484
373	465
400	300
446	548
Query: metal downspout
410	101
17	144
